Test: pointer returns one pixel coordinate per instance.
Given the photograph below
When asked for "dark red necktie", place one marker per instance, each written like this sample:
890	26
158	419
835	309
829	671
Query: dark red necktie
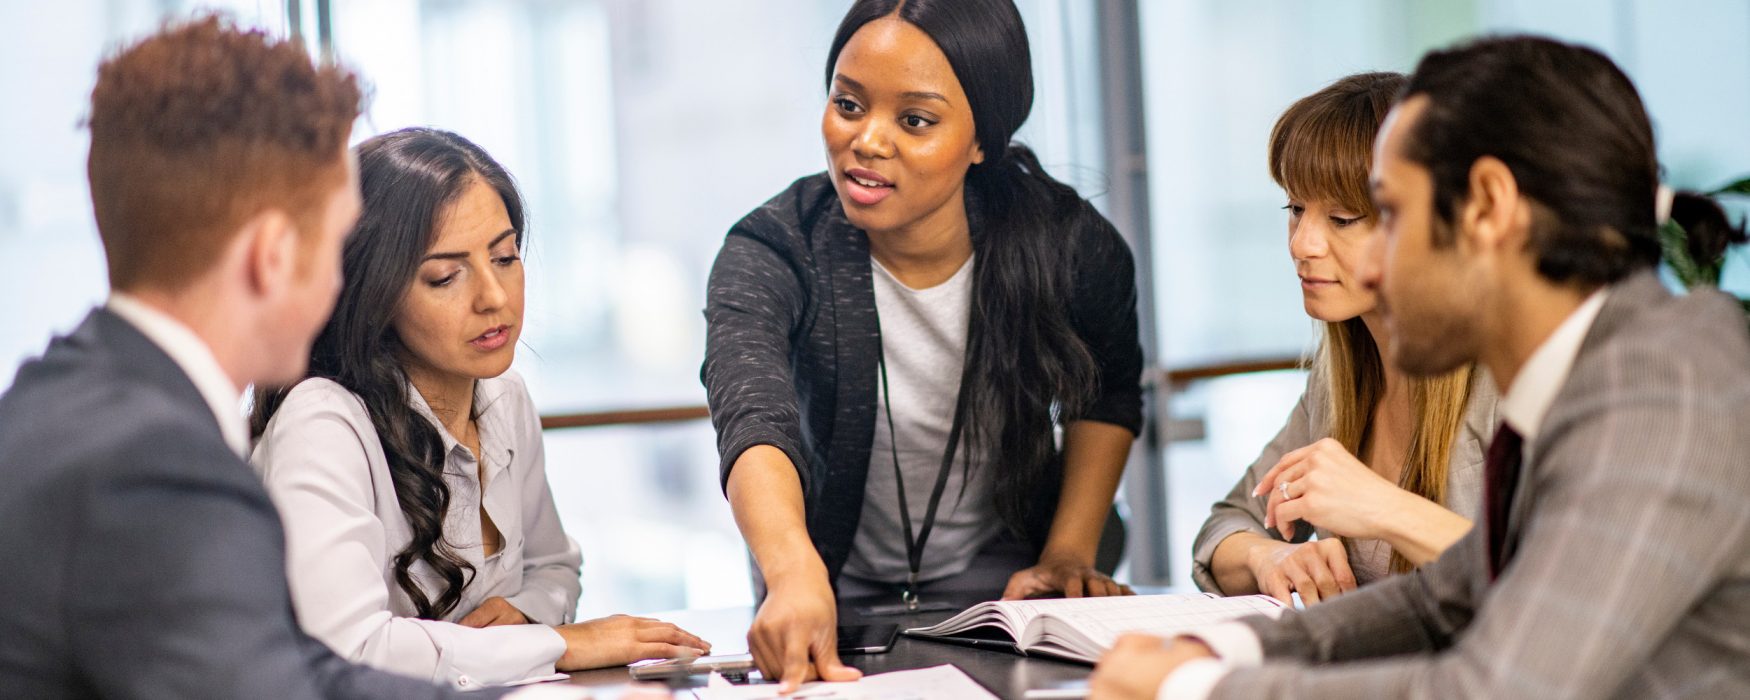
1500	478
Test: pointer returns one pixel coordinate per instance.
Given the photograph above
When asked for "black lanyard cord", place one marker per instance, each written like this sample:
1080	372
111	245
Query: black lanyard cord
914	548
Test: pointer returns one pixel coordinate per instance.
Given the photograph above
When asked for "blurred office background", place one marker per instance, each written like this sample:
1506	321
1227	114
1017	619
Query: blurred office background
641	130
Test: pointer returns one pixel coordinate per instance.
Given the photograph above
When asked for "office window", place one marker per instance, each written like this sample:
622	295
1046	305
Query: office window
48	63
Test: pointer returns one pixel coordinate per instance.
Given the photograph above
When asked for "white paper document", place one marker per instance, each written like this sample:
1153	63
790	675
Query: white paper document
938	683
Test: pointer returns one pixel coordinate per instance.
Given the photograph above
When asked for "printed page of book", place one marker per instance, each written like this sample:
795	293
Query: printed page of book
1010	616
1083	628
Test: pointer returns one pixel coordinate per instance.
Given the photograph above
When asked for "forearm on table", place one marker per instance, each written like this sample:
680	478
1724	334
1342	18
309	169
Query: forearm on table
765	494
1094	454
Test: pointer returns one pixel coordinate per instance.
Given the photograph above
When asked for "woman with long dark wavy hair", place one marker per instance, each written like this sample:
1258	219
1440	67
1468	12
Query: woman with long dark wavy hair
923	363
408	466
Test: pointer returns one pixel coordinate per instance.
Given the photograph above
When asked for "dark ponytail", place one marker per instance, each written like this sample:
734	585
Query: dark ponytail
1027	369
407	179
1707	230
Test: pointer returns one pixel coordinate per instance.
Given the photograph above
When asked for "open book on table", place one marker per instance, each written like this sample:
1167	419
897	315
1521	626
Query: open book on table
1080	629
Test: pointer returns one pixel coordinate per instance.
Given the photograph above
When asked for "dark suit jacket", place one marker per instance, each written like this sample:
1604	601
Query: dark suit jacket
143	558
792	345
1630	529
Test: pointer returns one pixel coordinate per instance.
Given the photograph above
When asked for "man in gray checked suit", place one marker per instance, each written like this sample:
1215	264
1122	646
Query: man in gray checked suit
1517	187
143	558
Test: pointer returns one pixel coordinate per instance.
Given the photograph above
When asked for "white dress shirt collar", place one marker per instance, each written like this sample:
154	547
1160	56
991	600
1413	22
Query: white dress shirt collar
1525	404
196	360
491	414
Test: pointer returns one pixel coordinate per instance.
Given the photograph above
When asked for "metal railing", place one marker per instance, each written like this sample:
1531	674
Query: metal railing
1173	378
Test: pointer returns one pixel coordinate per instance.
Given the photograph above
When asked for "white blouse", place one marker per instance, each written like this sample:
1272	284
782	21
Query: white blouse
325	469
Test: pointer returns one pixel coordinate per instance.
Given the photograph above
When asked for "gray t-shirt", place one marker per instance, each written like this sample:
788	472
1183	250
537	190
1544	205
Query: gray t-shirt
923	336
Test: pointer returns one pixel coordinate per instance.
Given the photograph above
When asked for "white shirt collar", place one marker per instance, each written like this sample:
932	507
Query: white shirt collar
491	420
191	354
1541	378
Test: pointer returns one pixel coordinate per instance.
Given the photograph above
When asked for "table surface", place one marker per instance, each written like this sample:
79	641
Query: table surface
1003	674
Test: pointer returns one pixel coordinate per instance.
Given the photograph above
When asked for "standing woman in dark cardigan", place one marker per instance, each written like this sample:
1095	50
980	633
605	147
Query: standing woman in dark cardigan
937	263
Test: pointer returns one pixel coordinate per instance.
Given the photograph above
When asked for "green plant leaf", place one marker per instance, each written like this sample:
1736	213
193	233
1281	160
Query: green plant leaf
1741	187
1674	246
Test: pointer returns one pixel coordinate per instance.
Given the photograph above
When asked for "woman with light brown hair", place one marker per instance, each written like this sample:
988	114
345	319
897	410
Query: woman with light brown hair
1386	469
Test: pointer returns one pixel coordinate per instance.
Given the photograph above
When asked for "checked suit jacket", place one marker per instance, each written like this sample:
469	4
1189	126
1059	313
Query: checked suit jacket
1629	531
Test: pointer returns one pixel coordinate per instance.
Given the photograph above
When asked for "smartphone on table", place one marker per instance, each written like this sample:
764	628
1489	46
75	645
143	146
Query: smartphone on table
867	639
733	667
853	639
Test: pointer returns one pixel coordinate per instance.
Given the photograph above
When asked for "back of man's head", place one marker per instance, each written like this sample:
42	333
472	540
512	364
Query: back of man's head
198	129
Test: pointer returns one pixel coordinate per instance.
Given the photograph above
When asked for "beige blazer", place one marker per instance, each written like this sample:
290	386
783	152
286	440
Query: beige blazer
1309	423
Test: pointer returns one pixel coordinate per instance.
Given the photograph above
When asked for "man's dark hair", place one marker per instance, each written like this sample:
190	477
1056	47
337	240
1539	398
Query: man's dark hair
1571	127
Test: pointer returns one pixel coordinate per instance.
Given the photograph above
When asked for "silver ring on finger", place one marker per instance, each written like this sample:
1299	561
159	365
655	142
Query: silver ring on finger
1284	489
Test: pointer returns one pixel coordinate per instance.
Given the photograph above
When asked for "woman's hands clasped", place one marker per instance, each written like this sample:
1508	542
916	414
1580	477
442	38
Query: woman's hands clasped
1326	486
1317	570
